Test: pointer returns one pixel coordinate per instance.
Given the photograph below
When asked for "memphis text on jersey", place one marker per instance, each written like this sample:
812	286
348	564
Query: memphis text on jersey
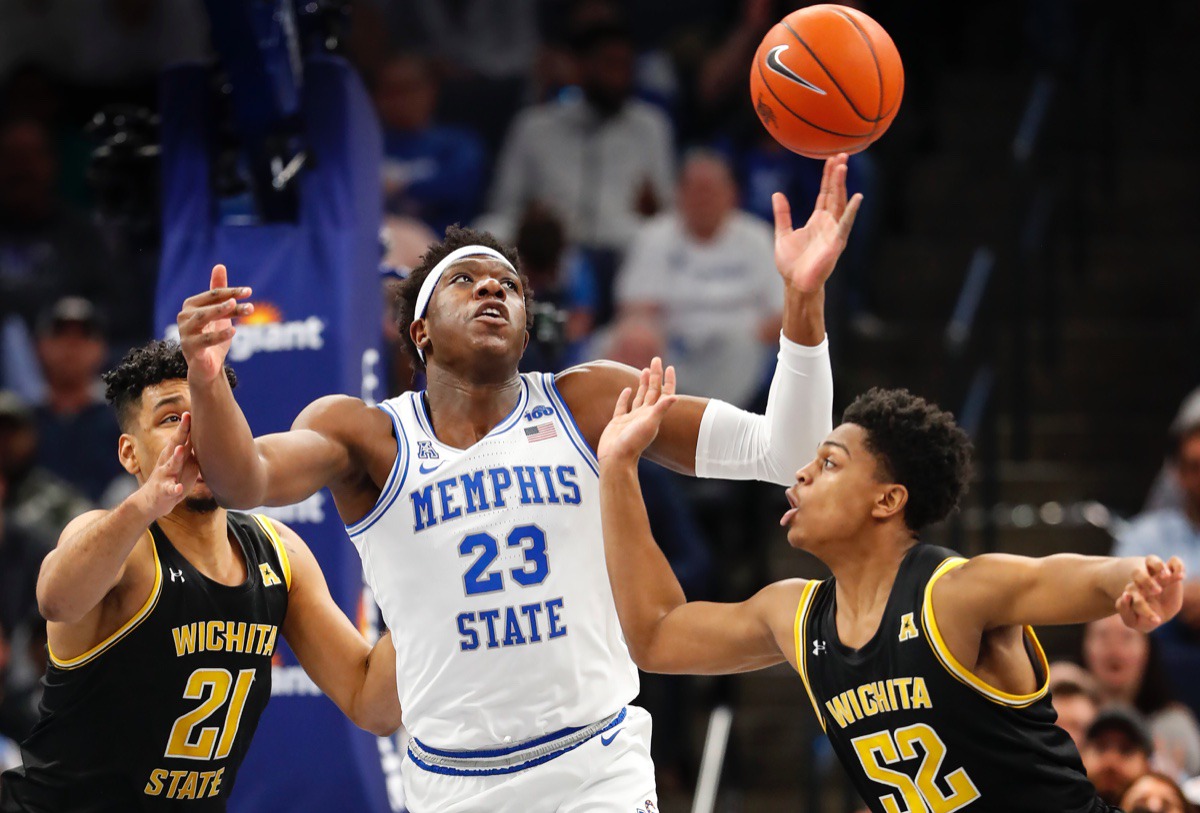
496	488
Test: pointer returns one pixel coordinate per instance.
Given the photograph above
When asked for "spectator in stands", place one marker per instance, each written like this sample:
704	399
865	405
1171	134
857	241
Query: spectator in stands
562	279
47	250
1117	752
35	499
706	272
1155	793
77	432
431	172
1129	672
1166	491
599	158
1075	700
1175	531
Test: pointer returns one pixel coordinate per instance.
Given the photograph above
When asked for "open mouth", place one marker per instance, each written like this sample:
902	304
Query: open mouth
494	312
786	519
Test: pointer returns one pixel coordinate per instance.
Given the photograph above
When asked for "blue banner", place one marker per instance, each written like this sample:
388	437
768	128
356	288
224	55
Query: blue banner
315	331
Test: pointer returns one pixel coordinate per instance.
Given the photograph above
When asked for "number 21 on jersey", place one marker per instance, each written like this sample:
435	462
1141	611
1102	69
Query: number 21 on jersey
924	793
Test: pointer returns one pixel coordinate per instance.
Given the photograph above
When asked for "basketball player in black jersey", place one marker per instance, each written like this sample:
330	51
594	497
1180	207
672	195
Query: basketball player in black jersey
922	667
163	616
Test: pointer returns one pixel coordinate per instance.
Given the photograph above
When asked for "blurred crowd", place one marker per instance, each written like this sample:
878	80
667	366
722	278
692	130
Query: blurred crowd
618	151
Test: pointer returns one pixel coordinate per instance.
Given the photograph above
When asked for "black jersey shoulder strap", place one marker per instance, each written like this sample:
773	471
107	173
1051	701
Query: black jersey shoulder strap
803	613
964	675
267	526
125	629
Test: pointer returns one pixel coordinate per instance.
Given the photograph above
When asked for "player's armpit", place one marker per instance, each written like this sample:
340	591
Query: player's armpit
591	390
359	679
706	638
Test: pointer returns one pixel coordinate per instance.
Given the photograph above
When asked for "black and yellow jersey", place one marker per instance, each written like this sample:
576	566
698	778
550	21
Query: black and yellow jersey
159	716
916	730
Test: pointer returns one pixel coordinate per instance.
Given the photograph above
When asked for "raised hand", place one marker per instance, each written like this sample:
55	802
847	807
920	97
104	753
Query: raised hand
1154	594
805	257
637	417
175	472
206	325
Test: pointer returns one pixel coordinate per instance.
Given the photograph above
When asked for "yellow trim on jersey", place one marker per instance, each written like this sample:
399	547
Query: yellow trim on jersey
126	628
280	551
962	673
802	609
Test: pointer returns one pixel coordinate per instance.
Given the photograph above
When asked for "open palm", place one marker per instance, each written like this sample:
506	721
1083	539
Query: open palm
637	417
805	257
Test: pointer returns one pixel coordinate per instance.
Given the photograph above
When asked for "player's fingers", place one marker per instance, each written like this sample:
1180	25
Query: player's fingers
215	295
1144	609
1175	565
783	214
643	383
1154	565
219	278
840	172
656	377
664	404
212	338
622	406
182	429
1146	583
197	318
669	381
846	222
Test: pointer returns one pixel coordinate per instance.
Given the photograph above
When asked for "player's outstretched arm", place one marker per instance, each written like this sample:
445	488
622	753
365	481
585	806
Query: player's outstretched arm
999	590
716	439
242	471
94	548
358	678
665	633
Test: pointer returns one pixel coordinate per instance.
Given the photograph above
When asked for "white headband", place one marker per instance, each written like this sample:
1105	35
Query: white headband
431	281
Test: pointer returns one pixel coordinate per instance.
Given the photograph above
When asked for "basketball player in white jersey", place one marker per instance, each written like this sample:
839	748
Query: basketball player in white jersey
474	505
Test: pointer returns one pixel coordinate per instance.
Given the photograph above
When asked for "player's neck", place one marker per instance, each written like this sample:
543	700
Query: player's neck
463	410
865	572
201	536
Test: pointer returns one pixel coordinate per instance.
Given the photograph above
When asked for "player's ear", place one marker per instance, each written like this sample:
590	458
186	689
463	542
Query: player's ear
890	501
127	454
419	333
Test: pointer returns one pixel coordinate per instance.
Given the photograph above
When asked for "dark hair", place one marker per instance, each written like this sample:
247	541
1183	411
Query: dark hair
1187	806
588	37
142	367
541	238
456	237
918	446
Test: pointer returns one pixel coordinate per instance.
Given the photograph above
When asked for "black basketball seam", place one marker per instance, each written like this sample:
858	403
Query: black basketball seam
874	56
771	90
841	90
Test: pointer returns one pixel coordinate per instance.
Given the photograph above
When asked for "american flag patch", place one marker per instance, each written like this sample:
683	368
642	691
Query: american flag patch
543	431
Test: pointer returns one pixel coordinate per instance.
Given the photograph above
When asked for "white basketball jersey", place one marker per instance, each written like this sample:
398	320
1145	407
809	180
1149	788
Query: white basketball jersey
488	566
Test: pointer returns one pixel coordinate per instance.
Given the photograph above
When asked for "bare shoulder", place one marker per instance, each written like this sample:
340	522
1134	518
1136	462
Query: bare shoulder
80	522
300	557
345	420
782	596
594	378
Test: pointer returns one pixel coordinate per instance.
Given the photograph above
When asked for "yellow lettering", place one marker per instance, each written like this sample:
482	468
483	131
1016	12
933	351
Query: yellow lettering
216	785
185	640
853	698
188	791
839	710
902	684
268	647
205	778
213	639
867	702
920	695
175	777
891	690
235	636
881	696
154	787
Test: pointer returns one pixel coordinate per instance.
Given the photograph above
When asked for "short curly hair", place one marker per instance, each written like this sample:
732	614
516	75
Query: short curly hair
919	446
456	237
145	366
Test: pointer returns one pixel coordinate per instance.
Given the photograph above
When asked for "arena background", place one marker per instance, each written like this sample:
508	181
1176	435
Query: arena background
1026	257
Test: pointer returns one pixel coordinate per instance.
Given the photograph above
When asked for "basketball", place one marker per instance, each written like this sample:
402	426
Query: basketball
826	79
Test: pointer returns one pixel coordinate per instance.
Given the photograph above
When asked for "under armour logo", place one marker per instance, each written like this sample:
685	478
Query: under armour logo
175	574
818	647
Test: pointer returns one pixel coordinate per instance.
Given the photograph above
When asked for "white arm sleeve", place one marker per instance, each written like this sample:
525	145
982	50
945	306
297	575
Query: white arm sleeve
739	445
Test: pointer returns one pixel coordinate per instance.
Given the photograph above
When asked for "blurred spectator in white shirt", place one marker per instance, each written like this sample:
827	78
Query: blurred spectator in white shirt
706	274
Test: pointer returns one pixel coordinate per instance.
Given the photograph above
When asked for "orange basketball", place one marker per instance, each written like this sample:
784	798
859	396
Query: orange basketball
826	79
